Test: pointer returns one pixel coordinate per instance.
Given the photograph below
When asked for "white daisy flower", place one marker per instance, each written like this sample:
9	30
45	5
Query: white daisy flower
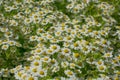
5	46
42	72
66	51
69	73
101	68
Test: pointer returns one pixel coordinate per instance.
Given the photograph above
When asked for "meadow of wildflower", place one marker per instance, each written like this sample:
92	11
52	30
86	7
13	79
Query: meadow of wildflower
59	39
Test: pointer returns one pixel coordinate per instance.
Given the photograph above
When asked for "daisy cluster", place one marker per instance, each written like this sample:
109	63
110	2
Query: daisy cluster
59	40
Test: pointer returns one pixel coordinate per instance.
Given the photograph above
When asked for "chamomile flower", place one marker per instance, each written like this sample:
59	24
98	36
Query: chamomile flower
76	55
55	48
5	41
73	32
46	59
39	31
24	76
76	10
3	29
101	68
53	62
11	43
30	77
5	46
49	51
18	68
39	51
49	37
36	20
72	65
33	38
6	72
108	55
26	68
58	33
12	71
100	62
115	62
13	23
61	56
85	49
73	78
41	39
44	22
36	63
66	51
66	44
42	72
8	34
27	20
54	40
37	57
34	70
70	6
65	64
69	73
8	9
75	45
105	42
19	74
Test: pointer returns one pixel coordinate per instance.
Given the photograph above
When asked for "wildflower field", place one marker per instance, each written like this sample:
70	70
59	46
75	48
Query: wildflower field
59	39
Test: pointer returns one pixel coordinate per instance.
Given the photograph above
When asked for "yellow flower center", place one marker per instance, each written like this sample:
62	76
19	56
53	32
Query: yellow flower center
99	62
66	51
19	74
76	45
54	47
8	33
46	59
40	31
36	63
24	76
4	46
34	70
33	37
30	78
101	67
41	73
50	51
38	50
27	68
68	38
118	72
108	54
85	49
76	55
104	42
53	61
69	73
